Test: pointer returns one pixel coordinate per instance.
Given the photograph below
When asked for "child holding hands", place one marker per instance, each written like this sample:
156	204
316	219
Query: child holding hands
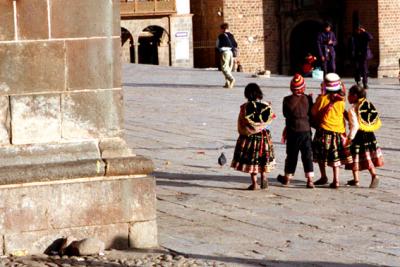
328	113
364	120
297	133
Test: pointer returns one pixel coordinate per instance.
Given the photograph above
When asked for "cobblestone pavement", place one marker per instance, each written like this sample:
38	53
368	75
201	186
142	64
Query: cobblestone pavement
183	119
111	259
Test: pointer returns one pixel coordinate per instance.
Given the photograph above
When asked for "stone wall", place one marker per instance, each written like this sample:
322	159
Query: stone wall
51	72
246	22
389	38
253	23
181	41
64	168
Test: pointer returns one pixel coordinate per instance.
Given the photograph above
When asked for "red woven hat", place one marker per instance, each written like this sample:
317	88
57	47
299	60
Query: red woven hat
298	85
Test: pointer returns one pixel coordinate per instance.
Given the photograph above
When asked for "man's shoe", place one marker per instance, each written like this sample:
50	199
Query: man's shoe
232	83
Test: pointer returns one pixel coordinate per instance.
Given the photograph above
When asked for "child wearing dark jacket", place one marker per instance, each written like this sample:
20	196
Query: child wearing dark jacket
297	133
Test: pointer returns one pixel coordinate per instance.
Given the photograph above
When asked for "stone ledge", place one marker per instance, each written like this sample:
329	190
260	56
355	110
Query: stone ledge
128	166
44	162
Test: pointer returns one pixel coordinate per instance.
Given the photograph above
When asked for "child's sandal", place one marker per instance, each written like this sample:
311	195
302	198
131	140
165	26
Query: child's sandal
353	183
252	187
283	180
321	181
334	185
310	185
374	182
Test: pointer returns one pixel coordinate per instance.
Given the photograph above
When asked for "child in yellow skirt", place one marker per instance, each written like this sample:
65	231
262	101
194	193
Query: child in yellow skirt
328	114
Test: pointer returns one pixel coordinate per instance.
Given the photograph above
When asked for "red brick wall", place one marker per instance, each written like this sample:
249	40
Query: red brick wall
271	35
246	22
389	37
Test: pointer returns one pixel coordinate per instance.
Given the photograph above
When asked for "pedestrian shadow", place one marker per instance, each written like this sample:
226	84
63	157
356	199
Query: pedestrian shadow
233	261
173	85
189	180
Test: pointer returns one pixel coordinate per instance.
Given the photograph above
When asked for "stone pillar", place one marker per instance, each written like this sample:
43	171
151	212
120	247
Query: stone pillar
181	40
65	168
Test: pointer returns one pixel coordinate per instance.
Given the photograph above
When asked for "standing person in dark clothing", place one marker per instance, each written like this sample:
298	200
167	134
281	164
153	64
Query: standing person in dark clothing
361	53
226	43
297	133
326	43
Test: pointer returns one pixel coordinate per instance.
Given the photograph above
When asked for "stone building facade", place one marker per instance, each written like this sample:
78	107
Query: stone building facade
157	32
276	35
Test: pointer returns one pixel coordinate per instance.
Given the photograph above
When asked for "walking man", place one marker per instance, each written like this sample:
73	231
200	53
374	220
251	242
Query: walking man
361	53
226	43
326	48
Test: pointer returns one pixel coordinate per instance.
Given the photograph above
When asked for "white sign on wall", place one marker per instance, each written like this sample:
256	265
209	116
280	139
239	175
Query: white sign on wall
182	45
183	6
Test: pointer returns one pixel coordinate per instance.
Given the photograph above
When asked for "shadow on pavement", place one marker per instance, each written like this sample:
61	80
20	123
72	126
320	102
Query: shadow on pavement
234	261
188	180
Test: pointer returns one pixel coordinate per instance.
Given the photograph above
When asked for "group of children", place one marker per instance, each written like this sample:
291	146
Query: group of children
331	146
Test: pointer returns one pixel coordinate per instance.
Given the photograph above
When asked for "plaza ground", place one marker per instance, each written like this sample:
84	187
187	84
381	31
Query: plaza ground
183	119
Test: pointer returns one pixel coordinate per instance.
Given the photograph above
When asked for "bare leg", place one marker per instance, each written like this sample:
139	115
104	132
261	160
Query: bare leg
264	180
335	183
324	179
356	179
356	176
254	184
322	169
374	178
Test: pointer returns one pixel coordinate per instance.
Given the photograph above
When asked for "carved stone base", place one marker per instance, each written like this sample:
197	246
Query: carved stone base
114	209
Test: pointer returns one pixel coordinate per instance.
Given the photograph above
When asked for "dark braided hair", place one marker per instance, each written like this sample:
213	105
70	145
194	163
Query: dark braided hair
253	92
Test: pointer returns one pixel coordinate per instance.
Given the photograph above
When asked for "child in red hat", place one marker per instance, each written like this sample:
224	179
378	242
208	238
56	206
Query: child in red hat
297	133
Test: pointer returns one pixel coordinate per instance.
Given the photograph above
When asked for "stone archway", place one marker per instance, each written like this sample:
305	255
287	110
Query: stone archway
128	47
154	46
303	40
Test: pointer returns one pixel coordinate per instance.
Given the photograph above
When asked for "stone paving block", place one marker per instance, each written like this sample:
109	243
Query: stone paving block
65	25
76	203
92	114
4	120
32	19
35	119
143	234
113	235
32	67
93	64
6	20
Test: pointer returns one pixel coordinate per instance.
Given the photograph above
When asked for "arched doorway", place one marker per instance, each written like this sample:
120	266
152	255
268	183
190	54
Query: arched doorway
128	48
154	46
303	40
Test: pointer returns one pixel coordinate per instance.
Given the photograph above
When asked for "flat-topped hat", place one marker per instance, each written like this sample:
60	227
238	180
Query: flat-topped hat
332	82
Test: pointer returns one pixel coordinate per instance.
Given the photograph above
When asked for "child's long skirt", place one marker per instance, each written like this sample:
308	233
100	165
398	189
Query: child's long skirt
254	153
329	149
365	152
